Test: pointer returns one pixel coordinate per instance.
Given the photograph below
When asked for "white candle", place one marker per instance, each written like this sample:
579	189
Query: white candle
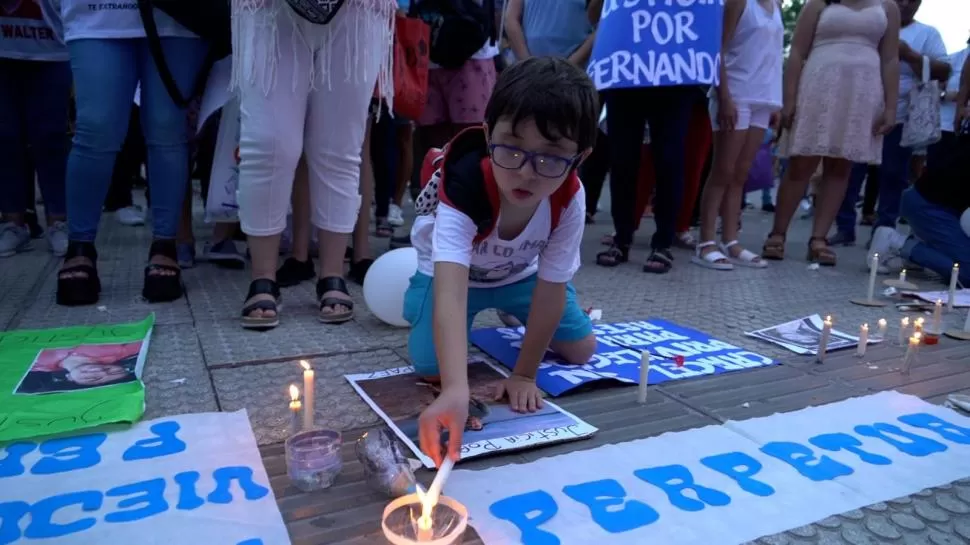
882	328
863	340
966	325
308	382
444	471
294	408
873	269
938	317
903	327
911	352
644	375
823	340
918	326
902	275
954	274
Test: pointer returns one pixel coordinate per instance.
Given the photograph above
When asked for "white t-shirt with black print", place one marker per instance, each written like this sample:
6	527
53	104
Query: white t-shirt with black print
448	236
26	35
113	19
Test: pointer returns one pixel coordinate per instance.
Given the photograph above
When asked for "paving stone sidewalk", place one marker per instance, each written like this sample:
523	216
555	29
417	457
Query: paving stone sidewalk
201	360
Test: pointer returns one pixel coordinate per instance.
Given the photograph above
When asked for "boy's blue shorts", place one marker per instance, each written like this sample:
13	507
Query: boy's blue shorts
515	299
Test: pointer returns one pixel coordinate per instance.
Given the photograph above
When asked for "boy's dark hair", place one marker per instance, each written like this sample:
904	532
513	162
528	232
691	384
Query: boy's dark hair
551	91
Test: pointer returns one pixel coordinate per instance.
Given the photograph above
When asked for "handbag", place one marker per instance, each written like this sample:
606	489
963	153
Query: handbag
922	125
411	63
318	12
459	28
762	173
208	19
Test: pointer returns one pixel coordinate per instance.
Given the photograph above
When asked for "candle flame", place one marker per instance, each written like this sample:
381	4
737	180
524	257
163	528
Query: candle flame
828	319
919	321
906	320
427	506
305	364
882	322
865	327
294	392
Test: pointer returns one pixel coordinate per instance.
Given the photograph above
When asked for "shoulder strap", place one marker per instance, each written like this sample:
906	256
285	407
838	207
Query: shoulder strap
559	201
493	200
147	11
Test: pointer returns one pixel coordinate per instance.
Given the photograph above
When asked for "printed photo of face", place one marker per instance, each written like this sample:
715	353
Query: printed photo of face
80	368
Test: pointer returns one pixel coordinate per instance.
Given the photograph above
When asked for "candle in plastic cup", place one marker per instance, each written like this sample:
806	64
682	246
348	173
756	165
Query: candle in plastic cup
313	459
402	522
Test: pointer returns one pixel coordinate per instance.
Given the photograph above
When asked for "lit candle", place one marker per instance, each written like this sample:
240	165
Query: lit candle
903	327
918	326
823	340
902	276
294	408
911	352
863	340
307	395
873	269
938	317
644	375
882	328
966	325
954	274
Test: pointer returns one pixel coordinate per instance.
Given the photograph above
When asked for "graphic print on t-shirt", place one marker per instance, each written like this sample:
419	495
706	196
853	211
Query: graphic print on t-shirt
496	260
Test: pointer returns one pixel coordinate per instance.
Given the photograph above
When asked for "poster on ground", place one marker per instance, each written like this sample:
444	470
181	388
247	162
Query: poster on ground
67	379
399	397
961	298
802	336
192	479
676	353
726	484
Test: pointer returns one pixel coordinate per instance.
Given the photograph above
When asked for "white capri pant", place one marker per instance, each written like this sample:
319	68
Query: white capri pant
750	116
305	89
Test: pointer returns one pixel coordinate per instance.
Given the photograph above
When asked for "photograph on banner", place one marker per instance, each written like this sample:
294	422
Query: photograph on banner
724	484
960	300
657	44
399	397
676	353
195	479
71	378
82	367
803	335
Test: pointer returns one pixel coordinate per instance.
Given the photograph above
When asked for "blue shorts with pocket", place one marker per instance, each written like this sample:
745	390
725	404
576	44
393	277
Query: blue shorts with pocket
515	299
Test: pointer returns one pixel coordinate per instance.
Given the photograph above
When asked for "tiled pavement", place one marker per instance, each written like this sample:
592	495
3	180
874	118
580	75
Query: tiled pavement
201	360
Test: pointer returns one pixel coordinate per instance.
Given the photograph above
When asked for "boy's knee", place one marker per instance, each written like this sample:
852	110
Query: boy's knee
577	352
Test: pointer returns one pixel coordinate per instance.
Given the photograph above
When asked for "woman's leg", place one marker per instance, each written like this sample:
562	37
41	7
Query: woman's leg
379	144
734	193
791	191
729	146
626	117
870	195
360	260
405	150
828	199
334	157
699	142
13	144
300	202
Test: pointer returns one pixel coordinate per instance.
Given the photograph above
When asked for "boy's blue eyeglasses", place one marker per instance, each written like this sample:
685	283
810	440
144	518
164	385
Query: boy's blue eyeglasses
545	165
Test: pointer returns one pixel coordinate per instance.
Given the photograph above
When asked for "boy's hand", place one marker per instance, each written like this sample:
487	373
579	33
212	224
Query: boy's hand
448	411
524	395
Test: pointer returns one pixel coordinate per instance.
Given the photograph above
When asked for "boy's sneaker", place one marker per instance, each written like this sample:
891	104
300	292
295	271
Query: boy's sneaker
224	254
13	239
887	242
131	216
395	216
403	241
57	238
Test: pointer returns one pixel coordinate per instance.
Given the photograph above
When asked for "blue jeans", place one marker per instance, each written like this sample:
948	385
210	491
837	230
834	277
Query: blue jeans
106	73
941	241
34	101
893	178
515	299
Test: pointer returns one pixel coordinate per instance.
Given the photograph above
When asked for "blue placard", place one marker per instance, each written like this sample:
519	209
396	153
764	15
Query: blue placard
657	43
618	355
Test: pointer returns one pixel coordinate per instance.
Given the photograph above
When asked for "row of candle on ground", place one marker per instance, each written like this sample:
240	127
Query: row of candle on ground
952	292
917	336
306	406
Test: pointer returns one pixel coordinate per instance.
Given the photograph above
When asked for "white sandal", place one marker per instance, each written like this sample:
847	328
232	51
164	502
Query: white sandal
713	259
746	258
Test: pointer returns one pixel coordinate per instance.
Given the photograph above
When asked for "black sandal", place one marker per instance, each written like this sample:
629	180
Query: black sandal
262	286
334	283
358	270
163	283
73	290
663	258
613	256
293	271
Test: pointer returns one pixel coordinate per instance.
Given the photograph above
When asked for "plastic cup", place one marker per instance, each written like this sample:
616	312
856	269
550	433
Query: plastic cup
449	519
313	459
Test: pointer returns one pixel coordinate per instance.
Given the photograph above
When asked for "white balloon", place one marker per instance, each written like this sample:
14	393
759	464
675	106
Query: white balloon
385	283
965	221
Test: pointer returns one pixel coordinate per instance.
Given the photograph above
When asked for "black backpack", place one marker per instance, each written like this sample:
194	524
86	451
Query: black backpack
459	28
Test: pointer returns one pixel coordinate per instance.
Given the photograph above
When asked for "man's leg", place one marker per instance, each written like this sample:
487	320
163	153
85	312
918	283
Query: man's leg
893	178
938	240
846	218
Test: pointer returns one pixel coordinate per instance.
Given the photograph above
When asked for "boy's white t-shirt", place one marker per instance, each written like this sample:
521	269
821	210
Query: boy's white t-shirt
113	19
448	236
926	41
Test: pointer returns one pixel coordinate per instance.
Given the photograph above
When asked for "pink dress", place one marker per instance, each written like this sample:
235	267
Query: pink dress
840	94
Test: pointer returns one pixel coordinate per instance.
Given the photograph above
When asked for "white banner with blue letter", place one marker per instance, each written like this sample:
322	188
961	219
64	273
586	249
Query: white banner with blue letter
657	43
184	480
723	485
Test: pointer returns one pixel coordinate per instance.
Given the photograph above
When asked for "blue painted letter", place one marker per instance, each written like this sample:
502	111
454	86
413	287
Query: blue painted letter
740	467
674	479
609	508
163	444
12	463
946	430
188	496
10	515
42	514
835	442
242	475
69	454
254	541
527	512
804	461
912	444
150	495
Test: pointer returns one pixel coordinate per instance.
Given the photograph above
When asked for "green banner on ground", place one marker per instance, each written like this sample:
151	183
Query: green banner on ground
71	378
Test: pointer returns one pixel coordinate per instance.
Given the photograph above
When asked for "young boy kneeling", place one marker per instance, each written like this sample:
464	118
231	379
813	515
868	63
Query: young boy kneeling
499	226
